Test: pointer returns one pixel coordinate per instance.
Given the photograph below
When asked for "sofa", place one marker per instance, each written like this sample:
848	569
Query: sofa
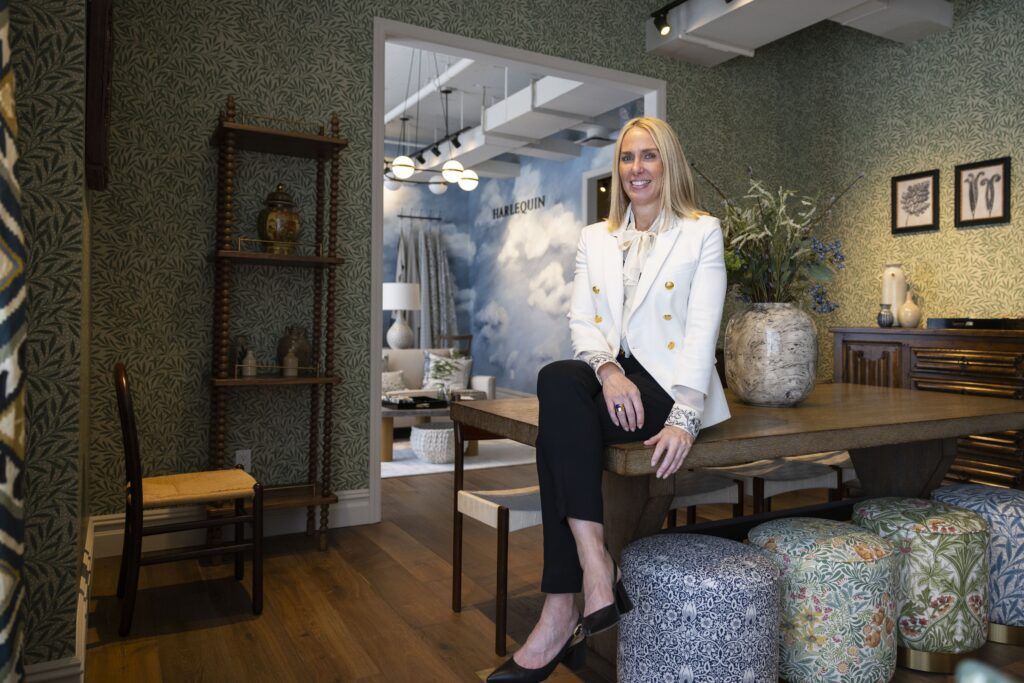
410	362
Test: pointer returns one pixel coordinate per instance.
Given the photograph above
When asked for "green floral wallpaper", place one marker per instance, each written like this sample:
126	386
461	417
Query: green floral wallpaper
174	64
852	102
48	47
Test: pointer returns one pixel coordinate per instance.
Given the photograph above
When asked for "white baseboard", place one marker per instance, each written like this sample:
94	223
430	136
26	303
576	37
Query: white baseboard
71	669
352	509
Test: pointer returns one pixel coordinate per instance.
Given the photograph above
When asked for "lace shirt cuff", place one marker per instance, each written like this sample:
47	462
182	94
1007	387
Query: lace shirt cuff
685	418
598	358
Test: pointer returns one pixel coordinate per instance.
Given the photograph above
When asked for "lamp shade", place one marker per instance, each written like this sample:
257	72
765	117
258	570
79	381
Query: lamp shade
402	167
469	180
401	296
452	171
438	185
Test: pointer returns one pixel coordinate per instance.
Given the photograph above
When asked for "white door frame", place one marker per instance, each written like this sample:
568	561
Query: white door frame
653	90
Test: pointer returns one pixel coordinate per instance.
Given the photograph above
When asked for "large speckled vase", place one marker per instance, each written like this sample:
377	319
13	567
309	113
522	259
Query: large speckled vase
771	354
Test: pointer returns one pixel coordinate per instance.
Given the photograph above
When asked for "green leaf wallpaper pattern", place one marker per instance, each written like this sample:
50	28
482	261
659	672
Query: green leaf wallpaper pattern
856	103
174	65
811	110
48	48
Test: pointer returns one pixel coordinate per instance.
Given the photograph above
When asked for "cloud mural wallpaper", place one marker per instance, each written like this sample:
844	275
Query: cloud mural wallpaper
514	272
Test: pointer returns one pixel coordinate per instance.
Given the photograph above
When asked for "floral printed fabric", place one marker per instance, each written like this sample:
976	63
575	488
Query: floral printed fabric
705	609
942	588
1003	509
838	600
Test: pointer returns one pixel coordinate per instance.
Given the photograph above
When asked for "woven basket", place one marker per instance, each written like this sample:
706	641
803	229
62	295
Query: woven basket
434	442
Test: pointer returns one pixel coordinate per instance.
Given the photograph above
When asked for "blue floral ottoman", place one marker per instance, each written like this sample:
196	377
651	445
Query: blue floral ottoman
942	591
705	609
1003	509
838	600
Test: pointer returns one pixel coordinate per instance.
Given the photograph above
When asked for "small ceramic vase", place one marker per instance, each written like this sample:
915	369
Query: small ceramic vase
290	366
894	285
885	318
909	313
295	340
249	364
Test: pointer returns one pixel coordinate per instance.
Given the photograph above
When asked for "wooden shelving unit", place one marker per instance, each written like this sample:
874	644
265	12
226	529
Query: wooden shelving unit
232	137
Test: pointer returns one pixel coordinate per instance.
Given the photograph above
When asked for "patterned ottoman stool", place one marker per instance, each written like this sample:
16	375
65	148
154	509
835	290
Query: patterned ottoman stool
838	600
1003	509
942	591
705	609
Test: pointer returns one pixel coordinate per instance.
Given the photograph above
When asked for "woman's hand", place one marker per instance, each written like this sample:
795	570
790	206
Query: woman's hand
671	446
620	391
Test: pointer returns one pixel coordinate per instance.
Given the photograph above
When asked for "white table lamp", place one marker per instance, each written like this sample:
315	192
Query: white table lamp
401	296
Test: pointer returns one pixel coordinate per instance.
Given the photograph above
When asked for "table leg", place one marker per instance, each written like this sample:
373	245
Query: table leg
472	448
907	469
387	439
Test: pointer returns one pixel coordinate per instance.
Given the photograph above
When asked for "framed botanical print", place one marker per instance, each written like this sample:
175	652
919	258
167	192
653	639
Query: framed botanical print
982	194
915	202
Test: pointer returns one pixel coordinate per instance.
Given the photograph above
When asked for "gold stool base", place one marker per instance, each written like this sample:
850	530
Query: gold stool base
1007	635
929	662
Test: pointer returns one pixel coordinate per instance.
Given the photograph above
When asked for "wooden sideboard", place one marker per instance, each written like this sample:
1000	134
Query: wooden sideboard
959	361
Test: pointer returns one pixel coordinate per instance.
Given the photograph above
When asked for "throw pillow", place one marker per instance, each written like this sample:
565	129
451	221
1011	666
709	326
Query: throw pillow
392	381
446	373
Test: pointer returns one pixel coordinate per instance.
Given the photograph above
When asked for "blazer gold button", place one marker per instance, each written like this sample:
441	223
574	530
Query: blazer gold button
598	318
669	284
667	316
597	290
671	345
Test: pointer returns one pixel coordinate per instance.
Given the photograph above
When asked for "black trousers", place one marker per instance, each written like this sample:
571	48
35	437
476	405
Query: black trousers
573	428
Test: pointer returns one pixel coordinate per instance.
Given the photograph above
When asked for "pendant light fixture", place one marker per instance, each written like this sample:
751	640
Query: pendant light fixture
402	166
469	180
452	169
437	185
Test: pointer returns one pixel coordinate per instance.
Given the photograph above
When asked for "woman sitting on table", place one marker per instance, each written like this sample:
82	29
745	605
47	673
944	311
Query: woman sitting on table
646	306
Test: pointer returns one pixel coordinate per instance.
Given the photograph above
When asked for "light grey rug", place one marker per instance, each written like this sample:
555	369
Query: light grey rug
496	453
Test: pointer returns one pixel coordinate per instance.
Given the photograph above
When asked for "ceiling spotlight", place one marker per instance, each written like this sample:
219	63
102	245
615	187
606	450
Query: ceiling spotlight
455	142
452	170
661	23
421	159
438	185
469	180
435	150
602	188
402	167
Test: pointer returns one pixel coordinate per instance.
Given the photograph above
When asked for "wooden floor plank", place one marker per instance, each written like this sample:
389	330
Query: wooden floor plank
375	607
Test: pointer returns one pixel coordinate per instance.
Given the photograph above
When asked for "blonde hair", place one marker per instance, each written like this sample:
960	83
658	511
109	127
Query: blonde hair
678	192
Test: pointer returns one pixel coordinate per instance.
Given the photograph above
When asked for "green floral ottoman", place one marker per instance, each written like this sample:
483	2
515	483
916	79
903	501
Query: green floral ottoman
943	575
838	600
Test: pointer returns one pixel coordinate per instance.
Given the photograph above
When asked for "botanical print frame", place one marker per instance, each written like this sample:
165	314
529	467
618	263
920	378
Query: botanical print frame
915	202
987	185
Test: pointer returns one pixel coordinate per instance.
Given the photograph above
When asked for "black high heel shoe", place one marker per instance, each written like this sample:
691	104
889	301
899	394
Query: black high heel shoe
573	654
608	616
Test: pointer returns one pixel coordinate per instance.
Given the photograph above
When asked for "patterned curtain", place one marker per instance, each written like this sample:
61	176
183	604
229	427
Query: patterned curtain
437	290
12	378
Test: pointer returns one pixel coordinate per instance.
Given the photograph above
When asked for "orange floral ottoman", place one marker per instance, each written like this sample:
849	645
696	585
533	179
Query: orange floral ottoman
838	600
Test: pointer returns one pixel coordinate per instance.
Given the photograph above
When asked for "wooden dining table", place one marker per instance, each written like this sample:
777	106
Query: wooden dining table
902	443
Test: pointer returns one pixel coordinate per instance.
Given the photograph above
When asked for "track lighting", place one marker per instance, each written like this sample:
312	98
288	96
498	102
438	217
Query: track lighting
421	159
435	150
455	142
661	23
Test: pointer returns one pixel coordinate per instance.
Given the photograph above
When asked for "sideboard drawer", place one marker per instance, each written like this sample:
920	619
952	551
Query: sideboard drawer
969	387
968	362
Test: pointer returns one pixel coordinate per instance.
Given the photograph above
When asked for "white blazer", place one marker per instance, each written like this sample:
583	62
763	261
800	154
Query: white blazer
676	311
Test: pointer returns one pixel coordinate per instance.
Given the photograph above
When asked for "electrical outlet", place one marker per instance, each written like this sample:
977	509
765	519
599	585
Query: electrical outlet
243	457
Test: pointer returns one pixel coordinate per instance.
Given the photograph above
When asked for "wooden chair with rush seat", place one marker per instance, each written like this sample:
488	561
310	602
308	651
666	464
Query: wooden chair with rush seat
190	488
